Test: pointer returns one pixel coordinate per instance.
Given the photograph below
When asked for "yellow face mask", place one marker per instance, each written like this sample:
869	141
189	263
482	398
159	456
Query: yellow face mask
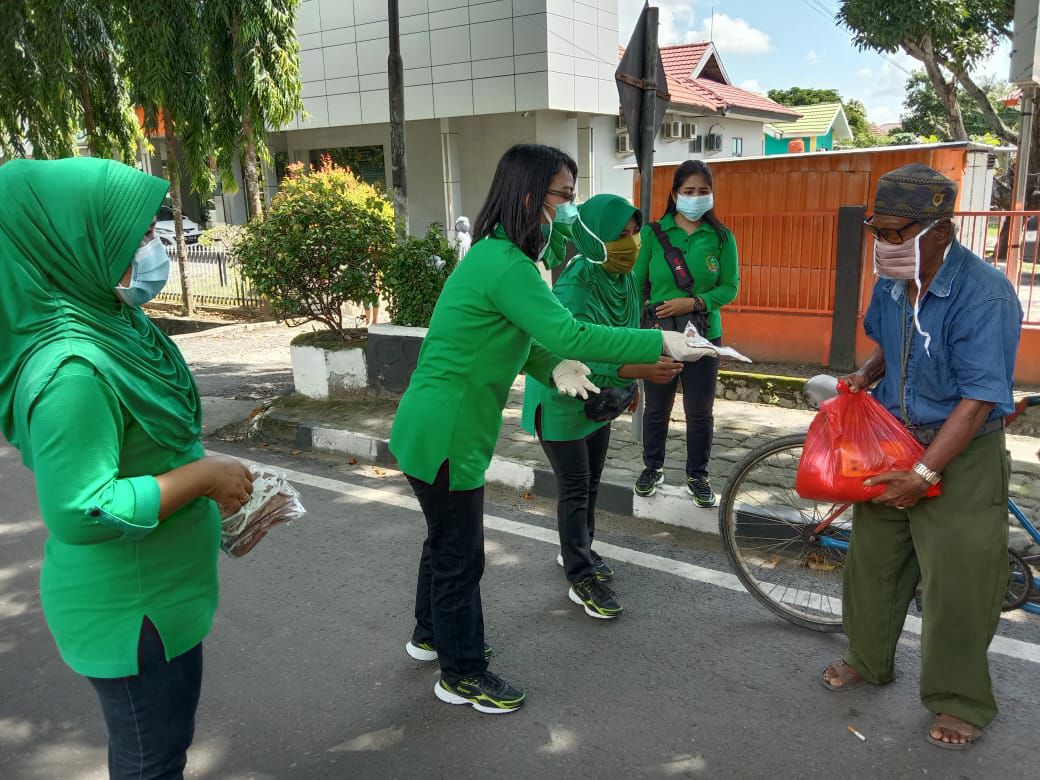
621	254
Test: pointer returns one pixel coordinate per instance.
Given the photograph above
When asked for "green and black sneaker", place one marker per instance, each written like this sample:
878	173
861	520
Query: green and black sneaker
648	481
597	599
424	651
484	692
603	571
700	489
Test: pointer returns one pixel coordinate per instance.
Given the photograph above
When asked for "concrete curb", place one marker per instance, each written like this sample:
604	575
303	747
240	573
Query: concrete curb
670	505
241	327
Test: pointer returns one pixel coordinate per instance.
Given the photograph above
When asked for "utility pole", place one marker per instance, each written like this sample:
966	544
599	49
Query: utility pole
395	74
648	126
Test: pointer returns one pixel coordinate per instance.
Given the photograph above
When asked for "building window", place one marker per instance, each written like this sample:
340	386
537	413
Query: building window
697	145
738	147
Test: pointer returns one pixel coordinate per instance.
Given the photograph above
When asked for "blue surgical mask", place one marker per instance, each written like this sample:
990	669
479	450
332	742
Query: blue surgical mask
149	271
693	207
566	213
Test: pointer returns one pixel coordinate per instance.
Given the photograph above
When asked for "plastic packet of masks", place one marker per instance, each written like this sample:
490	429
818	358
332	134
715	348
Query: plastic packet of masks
274	501
695	339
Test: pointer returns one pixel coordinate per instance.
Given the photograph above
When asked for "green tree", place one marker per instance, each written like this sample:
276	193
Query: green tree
59	76
325	241
925	114
950	37
255	81
165	61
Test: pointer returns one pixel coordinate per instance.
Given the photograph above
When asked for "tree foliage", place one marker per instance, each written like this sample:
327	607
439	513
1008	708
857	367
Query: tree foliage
925	114
60	76
415	275
950	37
255	69
325	241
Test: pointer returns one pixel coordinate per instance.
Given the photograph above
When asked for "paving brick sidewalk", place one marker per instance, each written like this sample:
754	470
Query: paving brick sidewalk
255	365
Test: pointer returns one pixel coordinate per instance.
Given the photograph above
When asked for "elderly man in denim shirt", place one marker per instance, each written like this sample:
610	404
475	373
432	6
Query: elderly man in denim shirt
947	327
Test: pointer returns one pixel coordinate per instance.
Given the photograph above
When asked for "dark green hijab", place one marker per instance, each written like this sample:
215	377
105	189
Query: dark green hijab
68	231
584	287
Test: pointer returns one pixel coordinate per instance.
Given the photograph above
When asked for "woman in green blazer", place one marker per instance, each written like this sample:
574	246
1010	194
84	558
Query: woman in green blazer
495	317
596	287
105	413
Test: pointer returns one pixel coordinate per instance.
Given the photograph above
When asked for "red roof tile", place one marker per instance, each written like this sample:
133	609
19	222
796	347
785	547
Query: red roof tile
679	65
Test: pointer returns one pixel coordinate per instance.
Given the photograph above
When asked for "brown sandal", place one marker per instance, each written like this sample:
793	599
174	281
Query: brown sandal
849	677
956	725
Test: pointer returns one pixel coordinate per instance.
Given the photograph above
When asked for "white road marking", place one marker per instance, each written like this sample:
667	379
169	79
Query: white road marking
1013	648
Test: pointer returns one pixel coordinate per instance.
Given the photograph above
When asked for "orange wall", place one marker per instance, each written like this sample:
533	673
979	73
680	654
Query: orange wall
783	210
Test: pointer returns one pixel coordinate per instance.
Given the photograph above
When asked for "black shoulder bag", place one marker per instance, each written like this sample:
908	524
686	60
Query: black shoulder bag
683	280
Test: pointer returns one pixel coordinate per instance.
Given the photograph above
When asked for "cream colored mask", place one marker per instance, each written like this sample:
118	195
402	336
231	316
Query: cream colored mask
622	254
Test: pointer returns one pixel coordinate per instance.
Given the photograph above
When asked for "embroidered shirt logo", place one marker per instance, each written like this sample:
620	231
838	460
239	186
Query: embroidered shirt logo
712	263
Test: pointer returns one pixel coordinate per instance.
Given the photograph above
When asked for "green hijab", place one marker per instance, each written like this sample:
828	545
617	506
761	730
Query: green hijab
68	231
586	289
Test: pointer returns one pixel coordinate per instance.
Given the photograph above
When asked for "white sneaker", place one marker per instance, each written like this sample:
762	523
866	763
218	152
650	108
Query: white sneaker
421	652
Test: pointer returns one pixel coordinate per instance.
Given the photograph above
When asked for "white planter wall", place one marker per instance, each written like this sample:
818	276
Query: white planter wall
323	374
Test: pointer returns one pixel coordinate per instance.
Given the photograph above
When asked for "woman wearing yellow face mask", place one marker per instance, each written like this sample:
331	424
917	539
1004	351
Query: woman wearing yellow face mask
597	287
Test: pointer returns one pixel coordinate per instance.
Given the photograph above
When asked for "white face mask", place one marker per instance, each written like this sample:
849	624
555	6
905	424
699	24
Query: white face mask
903	262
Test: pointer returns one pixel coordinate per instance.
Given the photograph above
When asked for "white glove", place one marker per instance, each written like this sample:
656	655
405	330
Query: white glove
571	378
676	347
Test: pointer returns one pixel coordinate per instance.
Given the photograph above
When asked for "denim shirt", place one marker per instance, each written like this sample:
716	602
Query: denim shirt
974	317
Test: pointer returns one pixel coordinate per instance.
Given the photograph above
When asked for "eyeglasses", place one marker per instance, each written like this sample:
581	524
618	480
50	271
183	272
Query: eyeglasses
889	235
567	196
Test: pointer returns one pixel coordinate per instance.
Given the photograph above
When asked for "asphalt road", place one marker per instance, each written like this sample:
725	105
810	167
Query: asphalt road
306	675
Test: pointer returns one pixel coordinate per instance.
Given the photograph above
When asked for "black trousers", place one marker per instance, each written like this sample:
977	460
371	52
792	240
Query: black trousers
578	466
448	613
698	382
151	716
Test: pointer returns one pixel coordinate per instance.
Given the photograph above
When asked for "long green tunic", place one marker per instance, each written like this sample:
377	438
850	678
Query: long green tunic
563	417
492	310
108	563
716	275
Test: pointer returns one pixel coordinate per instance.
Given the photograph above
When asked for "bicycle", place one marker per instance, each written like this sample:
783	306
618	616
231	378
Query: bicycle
789	552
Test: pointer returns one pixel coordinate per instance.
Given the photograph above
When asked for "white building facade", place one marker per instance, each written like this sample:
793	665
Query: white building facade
480	76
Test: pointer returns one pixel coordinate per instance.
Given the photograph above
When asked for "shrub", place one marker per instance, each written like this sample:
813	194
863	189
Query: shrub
324	242
414	276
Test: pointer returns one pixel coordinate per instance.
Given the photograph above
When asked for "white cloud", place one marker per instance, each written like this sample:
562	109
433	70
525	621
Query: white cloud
812	58
864	73
752	85
883	94
679	24
734	36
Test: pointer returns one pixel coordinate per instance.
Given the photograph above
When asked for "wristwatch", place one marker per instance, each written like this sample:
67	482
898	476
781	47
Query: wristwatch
925	473
699	304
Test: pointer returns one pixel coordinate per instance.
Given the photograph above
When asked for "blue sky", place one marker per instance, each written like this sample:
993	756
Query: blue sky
766	44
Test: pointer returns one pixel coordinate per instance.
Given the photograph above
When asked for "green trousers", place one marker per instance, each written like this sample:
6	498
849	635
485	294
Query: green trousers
956	546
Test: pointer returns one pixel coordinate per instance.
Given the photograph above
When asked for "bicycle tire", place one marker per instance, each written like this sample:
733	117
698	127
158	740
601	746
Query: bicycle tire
729	524
1020	582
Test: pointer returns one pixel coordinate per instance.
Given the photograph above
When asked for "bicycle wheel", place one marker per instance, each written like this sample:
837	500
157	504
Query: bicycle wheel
769	534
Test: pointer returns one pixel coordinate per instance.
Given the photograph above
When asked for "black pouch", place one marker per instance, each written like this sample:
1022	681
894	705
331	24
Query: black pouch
649	319
610	402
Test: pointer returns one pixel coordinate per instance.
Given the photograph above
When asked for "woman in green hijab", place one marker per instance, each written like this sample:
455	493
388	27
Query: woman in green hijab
597	287
102	408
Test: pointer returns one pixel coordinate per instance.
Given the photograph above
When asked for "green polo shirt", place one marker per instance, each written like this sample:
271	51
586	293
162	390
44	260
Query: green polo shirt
495	317
716	276
108	561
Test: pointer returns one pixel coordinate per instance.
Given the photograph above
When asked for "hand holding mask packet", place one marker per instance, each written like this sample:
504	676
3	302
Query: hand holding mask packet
274	501
696	340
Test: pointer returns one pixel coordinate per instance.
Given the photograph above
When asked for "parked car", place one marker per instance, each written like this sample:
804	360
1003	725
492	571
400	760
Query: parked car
164	229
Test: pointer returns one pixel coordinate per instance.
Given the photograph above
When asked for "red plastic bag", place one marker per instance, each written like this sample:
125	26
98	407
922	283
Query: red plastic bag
852	438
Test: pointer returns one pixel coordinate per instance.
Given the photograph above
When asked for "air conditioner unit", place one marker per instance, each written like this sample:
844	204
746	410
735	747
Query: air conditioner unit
621	122
689	130
624	144
714	143
673	129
